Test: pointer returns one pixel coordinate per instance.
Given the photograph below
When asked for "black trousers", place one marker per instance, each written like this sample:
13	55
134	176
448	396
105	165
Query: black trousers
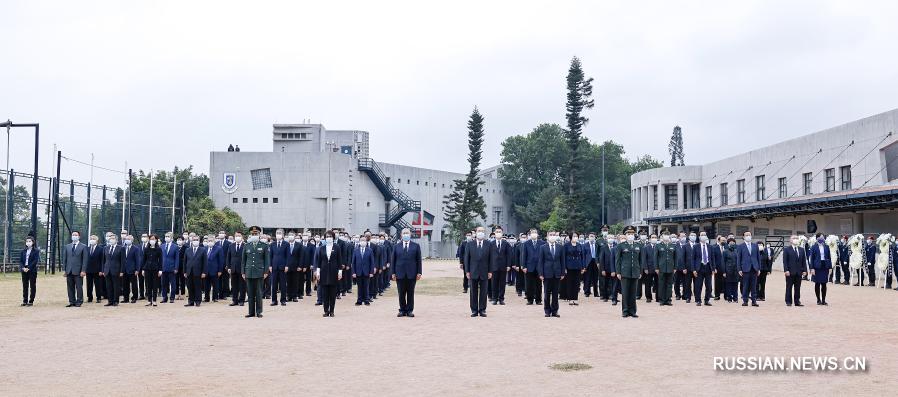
169	286
534	290
520	281
238	288
572	278
687	285
406	289
293	284
95	284
820	291
628	288
113	287
845	271
210	285
151	278
181	281
129	286
477	294
649	282
361	283
591	279
29	286
222	282
665	282
608	286
750	286
550	304
329	293
793	288
499	283
75	288
703	279
307	278
279	283
464	278
254	295
720	285
194	289
762	285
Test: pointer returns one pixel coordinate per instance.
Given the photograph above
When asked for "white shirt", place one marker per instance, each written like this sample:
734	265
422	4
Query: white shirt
328	249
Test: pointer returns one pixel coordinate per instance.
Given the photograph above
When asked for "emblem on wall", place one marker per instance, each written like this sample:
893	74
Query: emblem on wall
229	182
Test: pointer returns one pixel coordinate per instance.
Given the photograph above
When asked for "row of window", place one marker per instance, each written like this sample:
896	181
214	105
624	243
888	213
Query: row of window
671	196
235	200
296	135
443	185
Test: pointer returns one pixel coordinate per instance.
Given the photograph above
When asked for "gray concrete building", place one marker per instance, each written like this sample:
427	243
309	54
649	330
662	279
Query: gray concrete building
315	178
842	180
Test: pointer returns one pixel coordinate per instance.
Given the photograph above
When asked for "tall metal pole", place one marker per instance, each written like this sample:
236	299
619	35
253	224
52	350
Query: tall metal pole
174	193
130	199
124	200
55	217
37	135
6	224
150	220
89	206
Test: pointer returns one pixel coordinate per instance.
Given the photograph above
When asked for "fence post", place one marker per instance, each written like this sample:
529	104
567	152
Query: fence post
10	186
103	216
54	231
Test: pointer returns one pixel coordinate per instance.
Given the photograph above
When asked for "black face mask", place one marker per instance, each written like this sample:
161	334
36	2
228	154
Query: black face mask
731	246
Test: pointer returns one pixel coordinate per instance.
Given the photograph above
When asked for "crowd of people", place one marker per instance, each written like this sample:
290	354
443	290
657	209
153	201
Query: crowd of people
290	266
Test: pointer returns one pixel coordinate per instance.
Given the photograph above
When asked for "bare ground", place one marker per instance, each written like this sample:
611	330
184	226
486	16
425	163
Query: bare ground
212	350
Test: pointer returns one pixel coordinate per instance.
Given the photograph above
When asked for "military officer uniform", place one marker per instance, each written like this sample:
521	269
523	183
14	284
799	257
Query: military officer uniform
666	259
629	269
255	263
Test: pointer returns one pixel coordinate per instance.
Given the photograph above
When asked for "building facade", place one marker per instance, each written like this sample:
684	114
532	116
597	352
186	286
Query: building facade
842	180
315	179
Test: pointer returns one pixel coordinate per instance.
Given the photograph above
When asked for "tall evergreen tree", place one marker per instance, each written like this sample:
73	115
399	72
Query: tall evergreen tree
675	147
579	98
464	204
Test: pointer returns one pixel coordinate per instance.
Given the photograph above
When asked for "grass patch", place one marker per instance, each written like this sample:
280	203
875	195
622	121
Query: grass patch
570	367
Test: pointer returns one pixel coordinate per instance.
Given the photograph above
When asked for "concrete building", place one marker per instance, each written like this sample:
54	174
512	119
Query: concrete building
842	180
315	178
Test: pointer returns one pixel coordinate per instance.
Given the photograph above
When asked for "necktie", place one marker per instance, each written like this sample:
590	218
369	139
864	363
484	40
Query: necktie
194	250
592	248
479	244
291	248
73	247
406	247
92	249
497	244
363	251
704	254
127	250
552	248
110	250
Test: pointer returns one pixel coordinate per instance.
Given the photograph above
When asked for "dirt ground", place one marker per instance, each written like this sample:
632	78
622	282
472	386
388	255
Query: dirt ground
213	350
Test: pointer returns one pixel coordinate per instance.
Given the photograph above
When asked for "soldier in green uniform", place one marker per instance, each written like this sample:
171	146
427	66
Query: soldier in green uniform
666	261
629	269
255	263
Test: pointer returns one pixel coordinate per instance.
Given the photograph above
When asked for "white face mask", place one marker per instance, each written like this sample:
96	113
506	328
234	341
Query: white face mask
144	239
480	235
279	236
630	238
263	240
75	238
704	239
92	241
794	241
305	238
654	241
253	239
195	243
291	238
221	236
575	239
692	238
553	239
665	239
167	239
604	234
152	243
363	244
747	239
238	239
533	236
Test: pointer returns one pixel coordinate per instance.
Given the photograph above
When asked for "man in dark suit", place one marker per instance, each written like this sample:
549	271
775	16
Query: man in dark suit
608	283
649	262
592	252
194	271
295	251
131	262
170	261
406	272
748	262
719	280
686	258
278	268
479	270
870	254
460	254
766	268
502	254
113	269
307	260
234	266
362	268
224	287
703	268
530	262
214	267
94	267
520	281
74	261
552	268
794	268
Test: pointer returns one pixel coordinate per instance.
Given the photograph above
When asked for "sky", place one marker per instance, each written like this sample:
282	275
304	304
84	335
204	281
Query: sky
161	83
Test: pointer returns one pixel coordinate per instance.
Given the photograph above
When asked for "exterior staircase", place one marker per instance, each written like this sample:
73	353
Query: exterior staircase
404	204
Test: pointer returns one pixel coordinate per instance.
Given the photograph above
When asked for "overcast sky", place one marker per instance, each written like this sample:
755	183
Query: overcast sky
162	83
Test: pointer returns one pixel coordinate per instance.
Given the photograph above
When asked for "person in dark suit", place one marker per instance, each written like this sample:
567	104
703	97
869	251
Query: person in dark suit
502	258
530	262
820	265
844	254
703	268
194	271
151	269
234	266
28	260
279	268
74	261
170	260
460	254
132	257
748	261
214	267
520	281
113	269
479	270
407	271
224	281
574	266
870	254
766	268
328	272
591	253
729	271
307	261
608	283
794	260
552	268
94	267
688	248
294	266
719	280
362	268
649	262
183	243
666	259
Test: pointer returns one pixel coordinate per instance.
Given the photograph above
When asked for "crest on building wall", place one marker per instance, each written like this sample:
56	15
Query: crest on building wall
229	182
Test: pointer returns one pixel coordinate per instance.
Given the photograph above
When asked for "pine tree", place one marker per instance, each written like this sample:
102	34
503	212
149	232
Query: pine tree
464	204
579	98
675	148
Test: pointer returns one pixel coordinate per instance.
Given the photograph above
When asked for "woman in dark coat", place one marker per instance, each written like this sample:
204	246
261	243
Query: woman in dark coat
730	272
574	266
328	272
820	264
28	260
766	255
152	269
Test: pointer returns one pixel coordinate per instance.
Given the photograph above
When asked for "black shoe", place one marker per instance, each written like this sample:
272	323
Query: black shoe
465	291
482	314
249	315
410	315
788	305
707	303
273	304
149	304
501	303
358	303
539	302
825	304
317	303
755	304
634	316
698	303
230	304
259	315
625	315
688	300
717	298
189	304
400	314
548	315
495	303
70	305
324	315
473	314
108	304
745	304
367	303
241	303
614	303
555	315
529	303
648	301
283	303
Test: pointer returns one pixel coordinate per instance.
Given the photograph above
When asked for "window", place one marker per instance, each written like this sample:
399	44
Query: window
708	197
234	200
274	200
426	183
265	200
845	175
245	200
418	183
670	197
655	197
807	178
783	191
724	194
830	179
444	186
398	180
255	200
367	204
740	191
261	178
759	188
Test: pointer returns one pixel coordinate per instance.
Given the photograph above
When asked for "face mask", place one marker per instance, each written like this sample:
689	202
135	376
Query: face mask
28	243
575	239
704	239
167	239
92	241
592	239
654	241
254	239
794	241
195	243
363	244
180	243
263	240
127	242
533	236
291	238
152	243
221	236
184	237
760	247
731	246
747	239
692	238
329	240
230	240
630	237
604	234
111	241
123	236
279	236
480	235
238	239
468	238
820	240
75	239
674	239
143	239
665	239
499	233
406	237
305	238
642	237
